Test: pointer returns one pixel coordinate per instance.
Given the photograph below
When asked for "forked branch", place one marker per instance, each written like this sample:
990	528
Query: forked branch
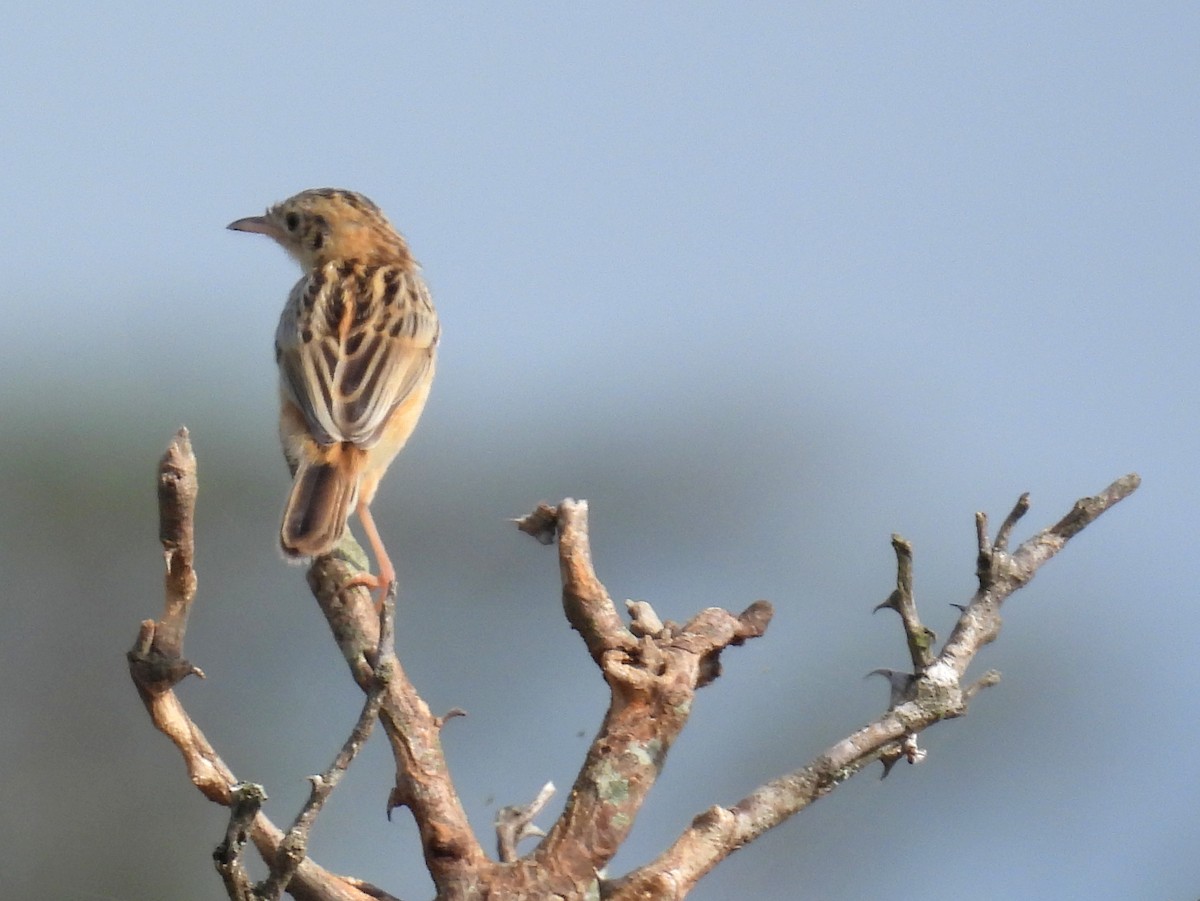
653	669
933	692
156	665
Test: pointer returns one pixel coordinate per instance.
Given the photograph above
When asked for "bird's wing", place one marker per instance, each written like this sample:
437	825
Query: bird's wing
353	343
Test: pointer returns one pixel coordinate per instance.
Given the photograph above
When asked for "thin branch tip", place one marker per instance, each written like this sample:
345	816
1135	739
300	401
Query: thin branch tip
1129	483
452	713
920	639
179	448
1088	509
1020	508
987	680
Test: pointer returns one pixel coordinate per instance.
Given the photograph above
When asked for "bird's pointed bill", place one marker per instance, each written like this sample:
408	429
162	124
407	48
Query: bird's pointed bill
258	225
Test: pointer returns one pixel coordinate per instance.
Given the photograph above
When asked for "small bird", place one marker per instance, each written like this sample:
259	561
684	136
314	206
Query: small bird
356	348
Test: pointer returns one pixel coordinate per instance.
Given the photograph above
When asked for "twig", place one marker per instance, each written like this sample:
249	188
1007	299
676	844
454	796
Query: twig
177	492
247	798
156	660
1019	509
902	600
453	854
979	623
294	847
515	822
589	609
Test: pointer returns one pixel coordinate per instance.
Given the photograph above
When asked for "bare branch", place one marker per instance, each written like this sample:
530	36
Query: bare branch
177	491
247	798
157	654
930	696
155	665
589	609
983	561
1019	509
423	784
1006	573
653	671
294	847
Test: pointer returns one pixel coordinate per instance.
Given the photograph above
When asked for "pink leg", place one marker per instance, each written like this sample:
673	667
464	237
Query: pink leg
387	572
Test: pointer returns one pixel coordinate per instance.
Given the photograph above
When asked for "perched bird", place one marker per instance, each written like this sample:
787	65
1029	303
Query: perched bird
356	348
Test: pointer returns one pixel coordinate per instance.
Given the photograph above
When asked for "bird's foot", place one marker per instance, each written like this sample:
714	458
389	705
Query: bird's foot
367	580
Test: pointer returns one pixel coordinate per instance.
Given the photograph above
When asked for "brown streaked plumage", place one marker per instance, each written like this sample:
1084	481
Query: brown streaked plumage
356	348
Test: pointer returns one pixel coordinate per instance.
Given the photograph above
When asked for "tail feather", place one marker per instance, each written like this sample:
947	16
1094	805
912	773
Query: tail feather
323	493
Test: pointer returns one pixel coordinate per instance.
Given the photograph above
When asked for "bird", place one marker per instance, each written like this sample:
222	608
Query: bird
356	348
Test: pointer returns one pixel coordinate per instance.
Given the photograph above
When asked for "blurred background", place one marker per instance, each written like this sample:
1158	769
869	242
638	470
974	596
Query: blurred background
764	283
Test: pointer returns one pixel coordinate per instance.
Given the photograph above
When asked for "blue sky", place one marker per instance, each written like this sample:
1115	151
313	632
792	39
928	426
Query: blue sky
764	282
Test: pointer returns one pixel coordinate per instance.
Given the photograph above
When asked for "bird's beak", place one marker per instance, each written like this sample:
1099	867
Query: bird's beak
259	225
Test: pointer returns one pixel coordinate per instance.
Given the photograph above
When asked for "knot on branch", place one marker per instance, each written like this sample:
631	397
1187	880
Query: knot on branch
245	800
921	699
155	673
675	660
942	700
648	654
643	621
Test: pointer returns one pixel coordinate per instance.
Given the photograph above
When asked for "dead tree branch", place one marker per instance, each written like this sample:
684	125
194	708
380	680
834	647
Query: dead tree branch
294	848
653	669
653	676
156	665
931	693
422	782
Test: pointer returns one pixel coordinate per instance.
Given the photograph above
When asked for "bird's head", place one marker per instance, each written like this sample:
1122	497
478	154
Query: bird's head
322	225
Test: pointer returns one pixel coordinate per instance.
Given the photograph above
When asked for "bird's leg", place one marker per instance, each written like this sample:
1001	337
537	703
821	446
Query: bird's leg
387	572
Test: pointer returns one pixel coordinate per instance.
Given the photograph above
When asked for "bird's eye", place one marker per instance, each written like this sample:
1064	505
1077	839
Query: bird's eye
292	221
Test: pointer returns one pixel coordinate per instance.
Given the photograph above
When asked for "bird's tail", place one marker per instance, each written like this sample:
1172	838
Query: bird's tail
324	491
